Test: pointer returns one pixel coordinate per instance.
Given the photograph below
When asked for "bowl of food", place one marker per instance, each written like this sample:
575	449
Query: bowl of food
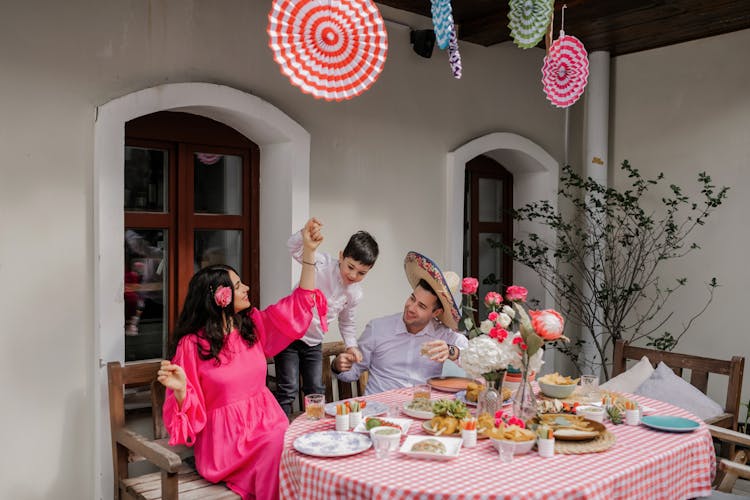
390	434
519	447
523	439
554	385
595	413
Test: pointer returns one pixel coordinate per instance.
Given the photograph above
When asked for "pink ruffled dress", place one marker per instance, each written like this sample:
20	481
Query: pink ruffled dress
228	413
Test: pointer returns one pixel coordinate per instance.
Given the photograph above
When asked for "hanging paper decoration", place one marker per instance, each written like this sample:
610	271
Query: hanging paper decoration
565	71
334	50
442	19
453	55
528	21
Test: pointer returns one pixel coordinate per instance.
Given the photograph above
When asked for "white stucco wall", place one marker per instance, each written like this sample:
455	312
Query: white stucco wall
376	162
682	110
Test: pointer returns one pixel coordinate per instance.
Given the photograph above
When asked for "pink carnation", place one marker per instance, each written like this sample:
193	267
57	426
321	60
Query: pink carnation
493	299
516	294
223	296
469	286
492	316
548	324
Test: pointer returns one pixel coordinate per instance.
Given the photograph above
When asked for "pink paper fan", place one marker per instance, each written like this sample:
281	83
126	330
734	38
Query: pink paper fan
332	49
565	71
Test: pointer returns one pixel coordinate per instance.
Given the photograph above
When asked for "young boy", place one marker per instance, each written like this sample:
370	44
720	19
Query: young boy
339	280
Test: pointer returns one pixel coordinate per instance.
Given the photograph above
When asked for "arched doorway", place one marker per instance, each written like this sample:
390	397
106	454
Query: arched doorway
284	167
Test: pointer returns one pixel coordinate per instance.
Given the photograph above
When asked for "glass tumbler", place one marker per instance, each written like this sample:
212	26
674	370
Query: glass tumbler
315	406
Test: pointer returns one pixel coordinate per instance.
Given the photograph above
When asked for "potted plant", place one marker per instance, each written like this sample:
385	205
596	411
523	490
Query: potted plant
602	269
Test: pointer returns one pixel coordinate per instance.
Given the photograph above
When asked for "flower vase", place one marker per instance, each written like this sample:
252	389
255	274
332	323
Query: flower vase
524	400
490	400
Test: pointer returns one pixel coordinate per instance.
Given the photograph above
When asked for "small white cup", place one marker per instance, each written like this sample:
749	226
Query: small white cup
469	437
355	418
633	417
342	422
546	447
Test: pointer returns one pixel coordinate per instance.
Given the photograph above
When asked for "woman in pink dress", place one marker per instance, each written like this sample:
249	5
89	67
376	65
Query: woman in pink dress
217	398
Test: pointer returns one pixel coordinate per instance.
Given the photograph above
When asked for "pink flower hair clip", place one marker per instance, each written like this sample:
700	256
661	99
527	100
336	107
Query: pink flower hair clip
223	296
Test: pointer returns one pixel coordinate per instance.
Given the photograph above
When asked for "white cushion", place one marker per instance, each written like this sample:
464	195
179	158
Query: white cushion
629	380
664	385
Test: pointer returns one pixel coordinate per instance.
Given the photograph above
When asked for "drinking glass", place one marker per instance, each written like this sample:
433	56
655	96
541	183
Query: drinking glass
394	410
421	391
382	445
424	350
590	387
315	406
506	450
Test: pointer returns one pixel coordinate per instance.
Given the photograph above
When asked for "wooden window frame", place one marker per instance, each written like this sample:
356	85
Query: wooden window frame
487	168
182	135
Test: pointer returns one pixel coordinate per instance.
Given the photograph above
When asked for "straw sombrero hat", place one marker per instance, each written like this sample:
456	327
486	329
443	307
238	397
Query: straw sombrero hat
418	267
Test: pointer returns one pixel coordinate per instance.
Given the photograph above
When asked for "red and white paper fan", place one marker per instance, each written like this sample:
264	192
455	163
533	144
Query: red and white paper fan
332	49
565	71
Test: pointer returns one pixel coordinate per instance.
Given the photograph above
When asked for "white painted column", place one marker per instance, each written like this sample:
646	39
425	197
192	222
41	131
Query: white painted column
596	140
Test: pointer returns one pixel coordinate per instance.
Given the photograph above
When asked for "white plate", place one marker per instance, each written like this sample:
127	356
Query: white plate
371	409
461	396
452	447
404	423
422	415
332	443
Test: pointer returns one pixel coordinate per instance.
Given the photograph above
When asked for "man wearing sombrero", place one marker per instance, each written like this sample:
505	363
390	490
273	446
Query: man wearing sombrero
391	345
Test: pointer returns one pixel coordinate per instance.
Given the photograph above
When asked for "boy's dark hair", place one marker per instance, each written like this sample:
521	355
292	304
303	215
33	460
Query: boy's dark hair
362	247
427	287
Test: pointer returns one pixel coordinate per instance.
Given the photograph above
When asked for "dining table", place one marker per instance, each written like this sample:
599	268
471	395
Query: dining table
642	463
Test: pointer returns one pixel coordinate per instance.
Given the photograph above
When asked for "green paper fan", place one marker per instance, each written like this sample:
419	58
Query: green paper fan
529	20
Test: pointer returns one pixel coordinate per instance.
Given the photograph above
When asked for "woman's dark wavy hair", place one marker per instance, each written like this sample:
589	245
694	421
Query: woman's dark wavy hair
203	317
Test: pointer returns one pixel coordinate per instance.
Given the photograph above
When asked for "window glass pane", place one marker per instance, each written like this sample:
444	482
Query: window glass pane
146	172
145	293
218	184
490	268
221	246
490	200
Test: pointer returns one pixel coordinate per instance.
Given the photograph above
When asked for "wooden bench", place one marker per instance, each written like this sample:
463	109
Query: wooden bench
176	479
699	367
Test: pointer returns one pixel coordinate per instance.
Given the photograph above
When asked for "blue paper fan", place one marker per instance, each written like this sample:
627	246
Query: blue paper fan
442	19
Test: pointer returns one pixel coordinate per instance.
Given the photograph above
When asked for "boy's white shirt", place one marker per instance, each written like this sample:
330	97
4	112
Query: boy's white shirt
342	300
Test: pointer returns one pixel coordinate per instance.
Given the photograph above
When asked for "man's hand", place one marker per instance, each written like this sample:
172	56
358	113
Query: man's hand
436	350
344	362
355	352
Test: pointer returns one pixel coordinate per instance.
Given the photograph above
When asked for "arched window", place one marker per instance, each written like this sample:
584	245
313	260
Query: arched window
191	200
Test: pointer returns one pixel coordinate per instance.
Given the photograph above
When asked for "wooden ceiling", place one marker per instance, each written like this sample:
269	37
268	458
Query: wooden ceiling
618	26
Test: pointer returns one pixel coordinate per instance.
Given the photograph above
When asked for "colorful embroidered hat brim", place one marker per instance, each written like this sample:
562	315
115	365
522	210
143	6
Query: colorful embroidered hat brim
418	267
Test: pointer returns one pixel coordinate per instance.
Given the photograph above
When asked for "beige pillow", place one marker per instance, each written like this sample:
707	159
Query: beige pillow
630	380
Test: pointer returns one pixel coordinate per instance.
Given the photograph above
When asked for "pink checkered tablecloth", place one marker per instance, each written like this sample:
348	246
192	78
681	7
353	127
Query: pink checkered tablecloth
643	464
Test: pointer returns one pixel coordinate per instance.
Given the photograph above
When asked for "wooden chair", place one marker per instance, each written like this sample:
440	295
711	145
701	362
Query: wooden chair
731	470
699	367
176	479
